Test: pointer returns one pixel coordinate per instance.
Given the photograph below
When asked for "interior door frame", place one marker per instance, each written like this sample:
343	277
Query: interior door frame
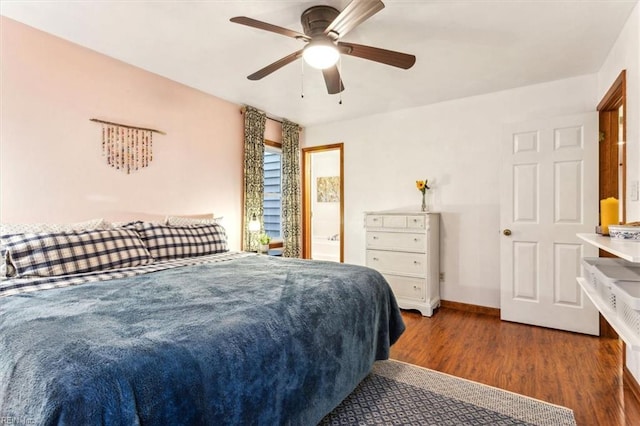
615	98
306	196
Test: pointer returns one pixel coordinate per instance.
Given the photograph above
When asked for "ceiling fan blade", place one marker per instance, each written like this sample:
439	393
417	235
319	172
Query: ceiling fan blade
275	66
250	22
389	57
333	80
353	15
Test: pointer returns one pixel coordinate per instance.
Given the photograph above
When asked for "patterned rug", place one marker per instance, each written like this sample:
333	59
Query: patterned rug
396	393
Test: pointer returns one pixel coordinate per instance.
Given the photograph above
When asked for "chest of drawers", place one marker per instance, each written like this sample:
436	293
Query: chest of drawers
404	247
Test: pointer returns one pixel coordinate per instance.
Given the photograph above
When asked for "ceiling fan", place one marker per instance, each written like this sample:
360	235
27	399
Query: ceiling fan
324	27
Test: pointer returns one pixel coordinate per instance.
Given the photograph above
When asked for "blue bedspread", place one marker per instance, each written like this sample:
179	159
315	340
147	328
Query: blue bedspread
253	341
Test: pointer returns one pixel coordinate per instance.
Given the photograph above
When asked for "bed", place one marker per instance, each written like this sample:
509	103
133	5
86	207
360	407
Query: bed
214	338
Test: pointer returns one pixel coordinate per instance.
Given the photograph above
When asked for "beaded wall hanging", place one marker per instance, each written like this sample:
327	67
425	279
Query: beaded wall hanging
127	148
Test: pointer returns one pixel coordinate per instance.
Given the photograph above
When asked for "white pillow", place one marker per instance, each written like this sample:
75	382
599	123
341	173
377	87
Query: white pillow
188	221
34	228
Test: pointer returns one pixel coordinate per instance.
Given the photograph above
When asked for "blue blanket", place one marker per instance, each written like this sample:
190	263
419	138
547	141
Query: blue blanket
253	341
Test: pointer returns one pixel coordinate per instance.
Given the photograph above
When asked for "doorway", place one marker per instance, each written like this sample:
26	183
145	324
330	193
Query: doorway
323	203
613	149
612	168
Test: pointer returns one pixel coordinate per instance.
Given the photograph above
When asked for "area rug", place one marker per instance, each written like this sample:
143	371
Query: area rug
396	393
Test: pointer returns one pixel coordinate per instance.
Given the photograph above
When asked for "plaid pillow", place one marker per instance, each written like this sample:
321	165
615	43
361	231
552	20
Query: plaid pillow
7	229
166	242
74	252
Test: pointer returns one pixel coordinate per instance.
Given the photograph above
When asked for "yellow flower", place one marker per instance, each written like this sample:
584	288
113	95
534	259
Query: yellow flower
422	185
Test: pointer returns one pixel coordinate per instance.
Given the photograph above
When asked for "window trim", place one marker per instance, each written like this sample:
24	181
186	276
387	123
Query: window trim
273	144
275	242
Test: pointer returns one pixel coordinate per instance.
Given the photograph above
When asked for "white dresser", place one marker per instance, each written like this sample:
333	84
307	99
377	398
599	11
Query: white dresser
404	246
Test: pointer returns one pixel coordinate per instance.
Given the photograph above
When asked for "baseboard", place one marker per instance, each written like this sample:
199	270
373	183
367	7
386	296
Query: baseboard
476	309
605	329
631	383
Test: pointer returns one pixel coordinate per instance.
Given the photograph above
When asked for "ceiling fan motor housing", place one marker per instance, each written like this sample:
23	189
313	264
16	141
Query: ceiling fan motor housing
316	19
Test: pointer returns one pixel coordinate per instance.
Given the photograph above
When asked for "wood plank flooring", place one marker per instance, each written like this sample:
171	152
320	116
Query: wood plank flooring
580	372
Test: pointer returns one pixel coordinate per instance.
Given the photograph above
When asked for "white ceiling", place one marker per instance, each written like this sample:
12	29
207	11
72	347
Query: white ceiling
463	47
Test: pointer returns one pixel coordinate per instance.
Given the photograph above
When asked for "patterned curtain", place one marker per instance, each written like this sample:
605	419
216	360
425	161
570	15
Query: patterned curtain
254	125
291	199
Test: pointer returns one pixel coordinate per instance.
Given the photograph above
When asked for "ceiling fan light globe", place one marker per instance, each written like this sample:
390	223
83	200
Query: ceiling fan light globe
320	55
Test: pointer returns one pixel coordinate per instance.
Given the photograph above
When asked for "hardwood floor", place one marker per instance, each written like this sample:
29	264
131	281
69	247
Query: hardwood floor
580	372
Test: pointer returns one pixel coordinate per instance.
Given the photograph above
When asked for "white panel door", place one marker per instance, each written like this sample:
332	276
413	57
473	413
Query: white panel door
549	193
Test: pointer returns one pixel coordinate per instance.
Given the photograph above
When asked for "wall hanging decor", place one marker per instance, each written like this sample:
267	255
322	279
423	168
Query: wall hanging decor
127	148
329	189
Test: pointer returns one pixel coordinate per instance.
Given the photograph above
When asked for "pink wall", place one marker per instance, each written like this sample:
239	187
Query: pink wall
273	131
51	163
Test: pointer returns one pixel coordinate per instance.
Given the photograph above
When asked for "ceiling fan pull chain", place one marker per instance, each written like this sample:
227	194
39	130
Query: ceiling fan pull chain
340	79
302	79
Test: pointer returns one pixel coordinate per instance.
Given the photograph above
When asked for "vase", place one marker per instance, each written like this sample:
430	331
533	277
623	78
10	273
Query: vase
423	207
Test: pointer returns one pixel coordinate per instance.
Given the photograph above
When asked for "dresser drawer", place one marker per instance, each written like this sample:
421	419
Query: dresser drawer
407	287
415	222
386	221
397	262
394	221
397	241
373	221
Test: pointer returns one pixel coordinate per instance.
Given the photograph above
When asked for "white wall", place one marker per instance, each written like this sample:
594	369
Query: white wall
325	215
456	146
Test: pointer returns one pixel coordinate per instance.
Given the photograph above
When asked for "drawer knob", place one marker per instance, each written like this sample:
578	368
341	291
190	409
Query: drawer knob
416	240
375	238
415	262
376	259
415	287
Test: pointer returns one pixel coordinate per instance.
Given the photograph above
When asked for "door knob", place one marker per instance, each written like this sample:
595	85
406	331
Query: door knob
507	232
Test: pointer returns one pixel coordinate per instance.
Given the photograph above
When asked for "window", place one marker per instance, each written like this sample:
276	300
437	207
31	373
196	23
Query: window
272	191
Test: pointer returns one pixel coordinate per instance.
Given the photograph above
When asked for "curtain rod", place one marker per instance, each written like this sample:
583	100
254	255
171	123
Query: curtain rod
126	125
244	109
273	119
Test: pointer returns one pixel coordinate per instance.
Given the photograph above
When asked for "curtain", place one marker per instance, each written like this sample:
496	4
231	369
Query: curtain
291	199
254	125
